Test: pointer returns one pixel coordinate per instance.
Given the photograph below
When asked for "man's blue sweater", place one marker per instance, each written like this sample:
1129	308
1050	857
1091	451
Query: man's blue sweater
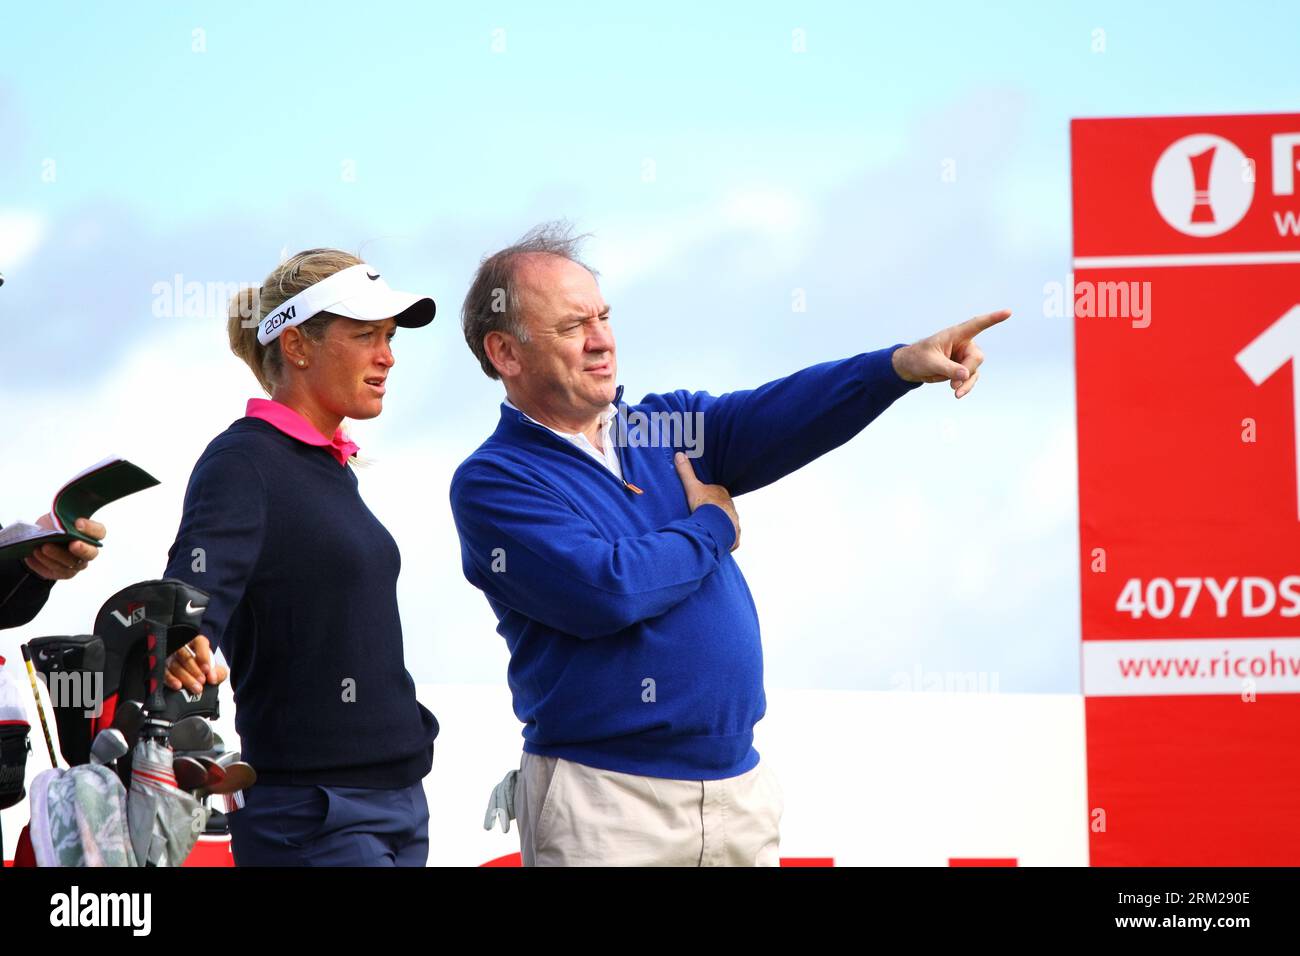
634	641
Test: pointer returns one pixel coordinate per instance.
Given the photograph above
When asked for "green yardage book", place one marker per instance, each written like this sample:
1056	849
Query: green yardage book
81	497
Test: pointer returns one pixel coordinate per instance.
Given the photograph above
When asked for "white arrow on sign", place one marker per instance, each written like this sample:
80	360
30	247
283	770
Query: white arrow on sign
1275	346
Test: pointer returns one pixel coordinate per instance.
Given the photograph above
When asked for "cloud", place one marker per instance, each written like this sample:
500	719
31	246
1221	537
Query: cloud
772	219
20	234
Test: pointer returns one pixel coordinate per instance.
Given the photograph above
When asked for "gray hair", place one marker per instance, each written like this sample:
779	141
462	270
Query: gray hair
492	303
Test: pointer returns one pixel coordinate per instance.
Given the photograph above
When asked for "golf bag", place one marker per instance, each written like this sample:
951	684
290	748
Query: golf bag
140	625
143	817
87	675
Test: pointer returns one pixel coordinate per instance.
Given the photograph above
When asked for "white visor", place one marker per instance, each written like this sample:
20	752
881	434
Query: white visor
356	292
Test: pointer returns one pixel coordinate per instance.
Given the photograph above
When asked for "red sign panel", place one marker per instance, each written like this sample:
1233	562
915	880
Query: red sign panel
1187	339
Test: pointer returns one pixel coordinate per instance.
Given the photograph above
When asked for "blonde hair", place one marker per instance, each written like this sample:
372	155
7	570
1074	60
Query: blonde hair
249	306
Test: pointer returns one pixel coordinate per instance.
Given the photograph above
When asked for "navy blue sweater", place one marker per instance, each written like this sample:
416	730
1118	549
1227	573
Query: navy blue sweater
303	585
634	641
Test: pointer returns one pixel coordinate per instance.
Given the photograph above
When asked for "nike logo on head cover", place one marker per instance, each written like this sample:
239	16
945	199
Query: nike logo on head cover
372	277
191	609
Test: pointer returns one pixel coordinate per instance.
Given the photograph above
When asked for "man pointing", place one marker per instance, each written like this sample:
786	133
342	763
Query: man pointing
605	552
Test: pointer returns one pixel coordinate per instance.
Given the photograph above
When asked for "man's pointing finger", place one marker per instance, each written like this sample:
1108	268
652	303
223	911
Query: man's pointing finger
973	327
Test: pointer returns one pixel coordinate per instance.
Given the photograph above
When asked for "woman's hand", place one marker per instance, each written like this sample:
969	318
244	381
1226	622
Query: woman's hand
193	666
57	563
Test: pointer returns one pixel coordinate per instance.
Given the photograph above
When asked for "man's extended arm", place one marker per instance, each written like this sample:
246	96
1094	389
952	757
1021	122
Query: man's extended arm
527	549
755	436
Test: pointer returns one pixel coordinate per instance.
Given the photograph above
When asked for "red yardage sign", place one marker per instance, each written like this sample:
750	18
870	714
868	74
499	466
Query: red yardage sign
1187	354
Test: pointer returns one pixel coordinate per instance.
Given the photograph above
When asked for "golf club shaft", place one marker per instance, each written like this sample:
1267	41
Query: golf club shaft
40	708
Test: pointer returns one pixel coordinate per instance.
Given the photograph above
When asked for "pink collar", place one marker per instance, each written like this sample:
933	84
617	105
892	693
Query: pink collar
295	426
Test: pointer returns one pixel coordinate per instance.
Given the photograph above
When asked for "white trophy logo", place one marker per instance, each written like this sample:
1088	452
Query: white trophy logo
1202	185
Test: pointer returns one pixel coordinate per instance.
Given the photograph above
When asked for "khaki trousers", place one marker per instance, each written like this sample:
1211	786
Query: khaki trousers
570	814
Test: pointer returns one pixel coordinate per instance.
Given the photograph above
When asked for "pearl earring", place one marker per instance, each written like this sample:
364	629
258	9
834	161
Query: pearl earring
301	363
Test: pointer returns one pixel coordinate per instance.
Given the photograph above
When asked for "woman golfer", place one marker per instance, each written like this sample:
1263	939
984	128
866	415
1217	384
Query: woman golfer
302	579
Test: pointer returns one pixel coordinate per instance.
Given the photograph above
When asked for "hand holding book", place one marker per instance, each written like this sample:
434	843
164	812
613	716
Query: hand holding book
54	562
65	539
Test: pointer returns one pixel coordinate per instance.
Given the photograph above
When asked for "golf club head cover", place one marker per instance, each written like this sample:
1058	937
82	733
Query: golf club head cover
72	667
176	705
143	623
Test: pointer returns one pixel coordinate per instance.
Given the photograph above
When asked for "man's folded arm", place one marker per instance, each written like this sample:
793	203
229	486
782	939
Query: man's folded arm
755	436
527	548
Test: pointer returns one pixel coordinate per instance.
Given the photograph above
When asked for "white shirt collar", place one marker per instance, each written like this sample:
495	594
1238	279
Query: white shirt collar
607	456
605	417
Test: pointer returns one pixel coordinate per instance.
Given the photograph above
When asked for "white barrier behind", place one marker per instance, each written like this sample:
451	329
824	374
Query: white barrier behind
870	778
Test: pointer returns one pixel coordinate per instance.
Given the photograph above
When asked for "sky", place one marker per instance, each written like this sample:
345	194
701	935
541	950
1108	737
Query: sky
893	168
